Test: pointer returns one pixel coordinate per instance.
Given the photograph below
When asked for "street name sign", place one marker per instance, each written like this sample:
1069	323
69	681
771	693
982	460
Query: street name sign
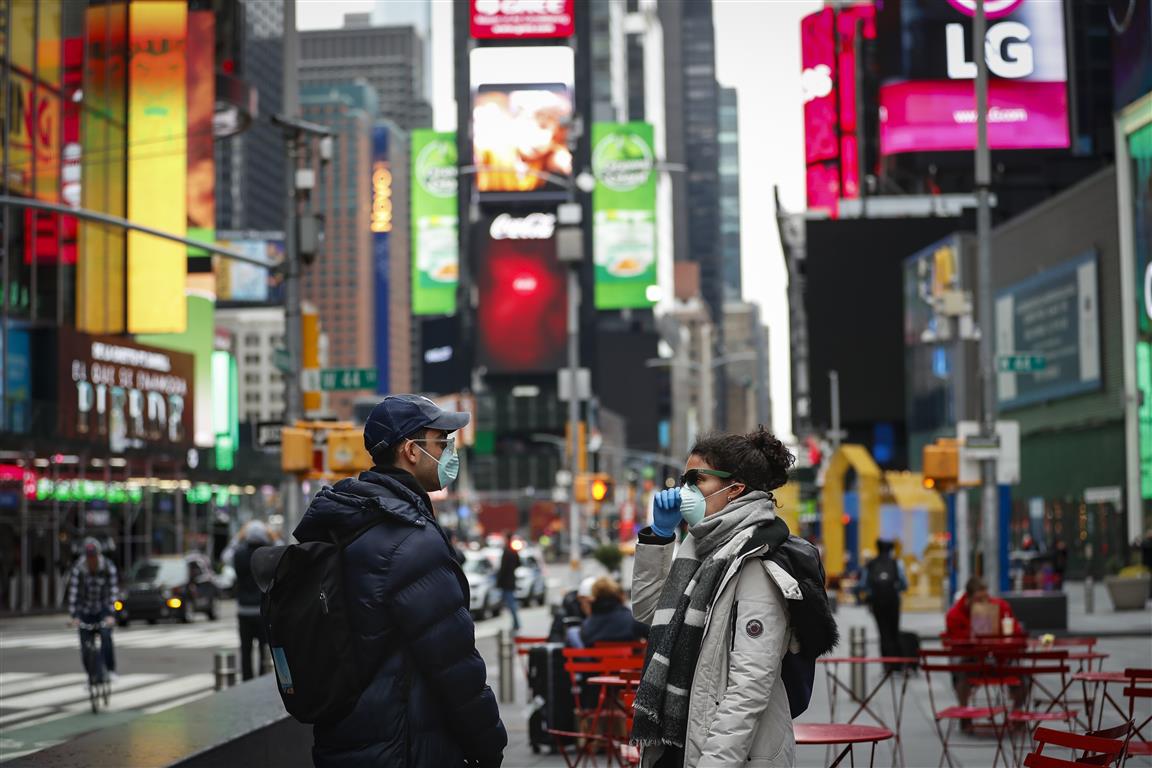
1021	363
337	379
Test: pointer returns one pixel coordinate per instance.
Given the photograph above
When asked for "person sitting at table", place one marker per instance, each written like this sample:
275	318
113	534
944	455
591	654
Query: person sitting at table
573	609
989	621
610	620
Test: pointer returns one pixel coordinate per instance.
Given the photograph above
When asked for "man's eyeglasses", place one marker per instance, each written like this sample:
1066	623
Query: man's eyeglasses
692	476
449	443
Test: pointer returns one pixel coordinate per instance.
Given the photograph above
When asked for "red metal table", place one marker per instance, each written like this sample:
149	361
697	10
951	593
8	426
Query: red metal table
612	689
890	664
1100	680
835	734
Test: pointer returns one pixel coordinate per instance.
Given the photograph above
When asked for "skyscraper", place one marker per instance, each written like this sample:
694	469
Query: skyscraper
730	193
390	59
250	166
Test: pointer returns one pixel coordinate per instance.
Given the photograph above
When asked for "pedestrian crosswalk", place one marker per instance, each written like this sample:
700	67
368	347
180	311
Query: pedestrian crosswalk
31	698
179	636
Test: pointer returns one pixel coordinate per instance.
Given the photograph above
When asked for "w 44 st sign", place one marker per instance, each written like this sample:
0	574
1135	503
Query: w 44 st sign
337	379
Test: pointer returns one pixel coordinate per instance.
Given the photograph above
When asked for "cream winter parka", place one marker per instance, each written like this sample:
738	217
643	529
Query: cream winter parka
738	712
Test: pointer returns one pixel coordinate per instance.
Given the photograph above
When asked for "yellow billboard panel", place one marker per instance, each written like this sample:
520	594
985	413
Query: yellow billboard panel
157	164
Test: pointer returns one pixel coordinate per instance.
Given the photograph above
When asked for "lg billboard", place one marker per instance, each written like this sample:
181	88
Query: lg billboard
927	98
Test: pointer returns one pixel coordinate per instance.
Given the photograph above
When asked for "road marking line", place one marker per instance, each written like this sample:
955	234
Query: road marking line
7	677
73	693
178	702
24	714
153	694
38	721
41	682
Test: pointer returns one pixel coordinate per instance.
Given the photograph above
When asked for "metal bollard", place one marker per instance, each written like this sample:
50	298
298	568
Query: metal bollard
946	593
504	651
1089	594
857	649
225	668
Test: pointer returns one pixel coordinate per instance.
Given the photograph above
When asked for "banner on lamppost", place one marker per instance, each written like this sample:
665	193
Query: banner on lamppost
624	215
435	249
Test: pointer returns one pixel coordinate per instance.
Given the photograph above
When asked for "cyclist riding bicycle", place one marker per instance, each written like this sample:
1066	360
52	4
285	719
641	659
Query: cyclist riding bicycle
92	590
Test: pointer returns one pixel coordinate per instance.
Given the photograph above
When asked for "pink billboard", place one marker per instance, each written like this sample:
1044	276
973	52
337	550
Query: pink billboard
928	98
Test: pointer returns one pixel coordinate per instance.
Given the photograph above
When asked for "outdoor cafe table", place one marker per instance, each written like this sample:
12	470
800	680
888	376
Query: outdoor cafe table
1100	680
835	684
838	733
612	690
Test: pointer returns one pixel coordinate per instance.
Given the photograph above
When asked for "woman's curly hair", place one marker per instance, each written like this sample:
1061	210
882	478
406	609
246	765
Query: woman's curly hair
757	458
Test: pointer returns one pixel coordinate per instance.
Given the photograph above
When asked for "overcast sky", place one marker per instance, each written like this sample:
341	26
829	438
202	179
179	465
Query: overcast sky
758	53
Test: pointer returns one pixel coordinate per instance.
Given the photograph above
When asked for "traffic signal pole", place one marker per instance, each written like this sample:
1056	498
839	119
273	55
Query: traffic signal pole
990	533
574	419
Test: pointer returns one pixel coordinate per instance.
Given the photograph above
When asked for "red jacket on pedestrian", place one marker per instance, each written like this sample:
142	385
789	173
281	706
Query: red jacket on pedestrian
958	621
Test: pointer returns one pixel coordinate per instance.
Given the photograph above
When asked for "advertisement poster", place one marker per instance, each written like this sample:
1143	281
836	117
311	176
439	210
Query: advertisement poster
201	105
624	214
521	108
514	19
927	98
242	282
1054	316
521	315
435	249
124	395
157	165
381	228
100	276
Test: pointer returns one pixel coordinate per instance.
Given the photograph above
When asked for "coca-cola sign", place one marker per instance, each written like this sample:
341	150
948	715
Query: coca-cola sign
534	226
522	19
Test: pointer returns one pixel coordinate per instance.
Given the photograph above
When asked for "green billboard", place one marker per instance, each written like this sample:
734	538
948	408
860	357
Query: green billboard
435	249
624	215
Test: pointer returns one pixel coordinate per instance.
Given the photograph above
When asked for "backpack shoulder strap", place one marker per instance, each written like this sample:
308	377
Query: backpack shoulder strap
265	563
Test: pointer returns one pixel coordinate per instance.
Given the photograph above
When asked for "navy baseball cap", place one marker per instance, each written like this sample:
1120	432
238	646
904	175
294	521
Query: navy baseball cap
397	416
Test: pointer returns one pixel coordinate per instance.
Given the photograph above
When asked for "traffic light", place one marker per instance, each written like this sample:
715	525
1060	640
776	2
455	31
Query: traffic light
296	450
346	452
942	465
601	487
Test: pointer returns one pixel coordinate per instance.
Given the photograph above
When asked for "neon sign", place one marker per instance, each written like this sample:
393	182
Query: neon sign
381	197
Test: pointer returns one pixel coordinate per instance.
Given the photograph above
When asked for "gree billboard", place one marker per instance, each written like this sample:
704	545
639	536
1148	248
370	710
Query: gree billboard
624	214
435	250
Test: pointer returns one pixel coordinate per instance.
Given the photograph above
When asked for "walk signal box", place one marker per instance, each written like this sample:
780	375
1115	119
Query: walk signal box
942	465
296	450
346	452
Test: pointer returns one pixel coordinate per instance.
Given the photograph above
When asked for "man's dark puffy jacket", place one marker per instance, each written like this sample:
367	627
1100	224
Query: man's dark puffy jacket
611	622
428	705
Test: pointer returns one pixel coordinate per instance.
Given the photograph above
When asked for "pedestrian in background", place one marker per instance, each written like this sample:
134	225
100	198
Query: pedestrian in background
610	621
882	582
506	579
254	536
92	591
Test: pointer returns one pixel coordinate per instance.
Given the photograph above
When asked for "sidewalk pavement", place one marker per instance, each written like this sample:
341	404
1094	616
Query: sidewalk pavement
1125	636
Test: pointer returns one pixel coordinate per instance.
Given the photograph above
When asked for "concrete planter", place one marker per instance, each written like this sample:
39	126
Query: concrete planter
1129	593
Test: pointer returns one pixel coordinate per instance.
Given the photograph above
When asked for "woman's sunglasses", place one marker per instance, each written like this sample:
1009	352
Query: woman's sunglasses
693	475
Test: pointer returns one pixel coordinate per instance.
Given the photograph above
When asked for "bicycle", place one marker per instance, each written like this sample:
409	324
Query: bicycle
99	689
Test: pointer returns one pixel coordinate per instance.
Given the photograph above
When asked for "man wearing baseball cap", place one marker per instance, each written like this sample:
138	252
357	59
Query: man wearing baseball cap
428	703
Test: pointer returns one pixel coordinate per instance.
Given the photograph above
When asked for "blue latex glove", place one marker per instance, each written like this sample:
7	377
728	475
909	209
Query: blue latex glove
666	512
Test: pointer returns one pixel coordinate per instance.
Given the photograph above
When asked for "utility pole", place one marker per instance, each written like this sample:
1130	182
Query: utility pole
574	418
990	533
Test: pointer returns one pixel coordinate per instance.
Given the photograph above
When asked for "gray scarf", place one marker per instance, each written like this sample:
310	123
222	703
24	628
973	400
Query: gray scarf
681	610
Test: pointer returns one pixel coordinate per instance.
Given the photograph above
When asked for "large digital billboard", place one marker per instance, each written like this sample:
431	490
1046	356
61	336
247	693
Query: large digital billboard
124	395
517	19
624	214
522	106
521	313
201	68
927	95
435	248
157	164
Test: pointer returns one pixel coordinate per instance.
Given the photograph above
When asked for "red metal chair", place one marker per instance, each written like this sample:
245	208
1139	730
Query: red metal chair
591	733
972	664
1140	687
1101	748
1030	668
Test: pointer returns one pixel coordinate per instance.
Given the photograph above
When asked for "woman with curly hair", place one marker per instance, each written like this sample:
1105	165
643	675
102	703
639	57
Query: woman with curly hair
711	692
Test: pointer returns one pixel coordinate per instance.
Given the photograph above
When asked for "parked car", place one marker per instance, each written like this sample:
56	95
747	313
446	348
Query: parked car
484	598
531	585
168	587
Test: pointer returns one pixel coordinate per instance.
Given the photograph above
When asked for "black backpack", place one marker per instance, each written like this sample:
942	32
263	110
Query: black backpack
882	582
313	644
811	618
